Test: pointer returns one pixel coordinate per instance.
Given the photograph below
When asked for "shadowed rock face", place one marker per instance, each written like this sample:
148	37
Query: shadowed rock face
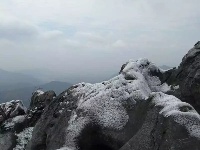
119	113
189	77
186	77
39	101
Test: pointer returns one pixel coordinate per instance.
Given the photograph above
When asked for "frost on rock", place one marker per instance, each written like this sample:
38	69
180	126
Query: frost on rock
66	148
39	92
11	109
23	138
182	113
8	124
103	102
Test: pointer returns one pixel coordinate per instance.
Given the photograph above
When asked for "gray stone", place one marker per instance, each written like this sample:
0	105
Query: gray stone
189	78
7	141
115	114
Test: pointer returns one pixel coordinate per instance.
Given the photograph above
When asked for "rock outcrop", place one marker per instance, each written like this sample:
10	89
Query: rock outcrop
39	101
12	114
185	80
119	113
11	109
188	75
18	122
139	109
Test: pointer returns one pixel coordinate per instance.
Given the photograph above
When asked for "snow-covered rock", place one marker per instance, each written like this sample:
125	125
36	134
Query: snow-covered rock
169	124
23	138
11	109
107	115
129	111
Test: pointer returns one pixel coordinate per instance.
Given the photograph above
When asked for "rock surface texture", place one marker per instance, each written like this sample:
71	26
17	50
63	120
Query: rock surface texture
135	110
39	101
188	75
18	122
169	124
129	111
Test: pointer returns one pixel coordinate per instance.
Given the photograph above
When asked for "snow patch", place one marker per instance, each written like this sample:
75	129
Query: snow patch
13	121
39	92
183	113
103	102
23	138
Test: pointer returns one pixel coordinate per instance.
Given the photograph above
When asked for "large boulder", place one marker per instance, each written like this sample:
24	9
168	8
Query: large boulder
188	75
39	101
105	116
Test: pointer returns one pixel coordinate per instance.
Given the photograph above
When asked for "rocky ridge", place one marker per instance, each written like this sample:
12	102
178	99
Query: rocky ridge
134	110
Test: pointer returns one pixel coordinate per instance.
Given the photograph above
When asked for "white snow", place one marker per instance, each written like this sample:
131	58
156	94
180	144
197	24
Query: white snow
19	106
23	138
104	101
12	108
39	92
11	123
19	119
183	113
176	87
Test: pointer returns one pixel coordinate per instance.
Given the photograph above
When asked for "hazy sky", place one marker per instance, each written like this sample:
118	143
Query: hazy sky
95	36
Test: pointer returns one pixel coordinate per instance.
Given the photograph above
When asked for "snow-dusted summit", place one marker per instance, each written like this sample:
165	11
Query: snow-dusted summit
107	115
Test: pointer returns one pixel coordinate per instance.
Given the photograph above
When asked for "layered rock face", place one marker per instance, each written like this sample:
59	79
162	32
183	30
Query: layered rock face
129	111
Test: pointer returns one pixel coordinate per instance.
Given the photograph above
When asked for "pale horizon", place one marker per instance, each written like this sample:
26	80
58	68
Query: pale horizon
92	37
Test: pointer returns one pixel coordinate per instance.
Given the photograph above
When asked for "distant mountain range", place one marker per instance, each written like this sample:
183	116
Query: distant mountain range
164	67
20	86
17	85
12	80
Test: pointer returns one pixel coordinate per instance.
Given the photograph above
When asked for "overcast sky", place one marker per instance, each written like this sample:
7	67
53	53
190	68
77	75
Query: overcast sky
95	36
